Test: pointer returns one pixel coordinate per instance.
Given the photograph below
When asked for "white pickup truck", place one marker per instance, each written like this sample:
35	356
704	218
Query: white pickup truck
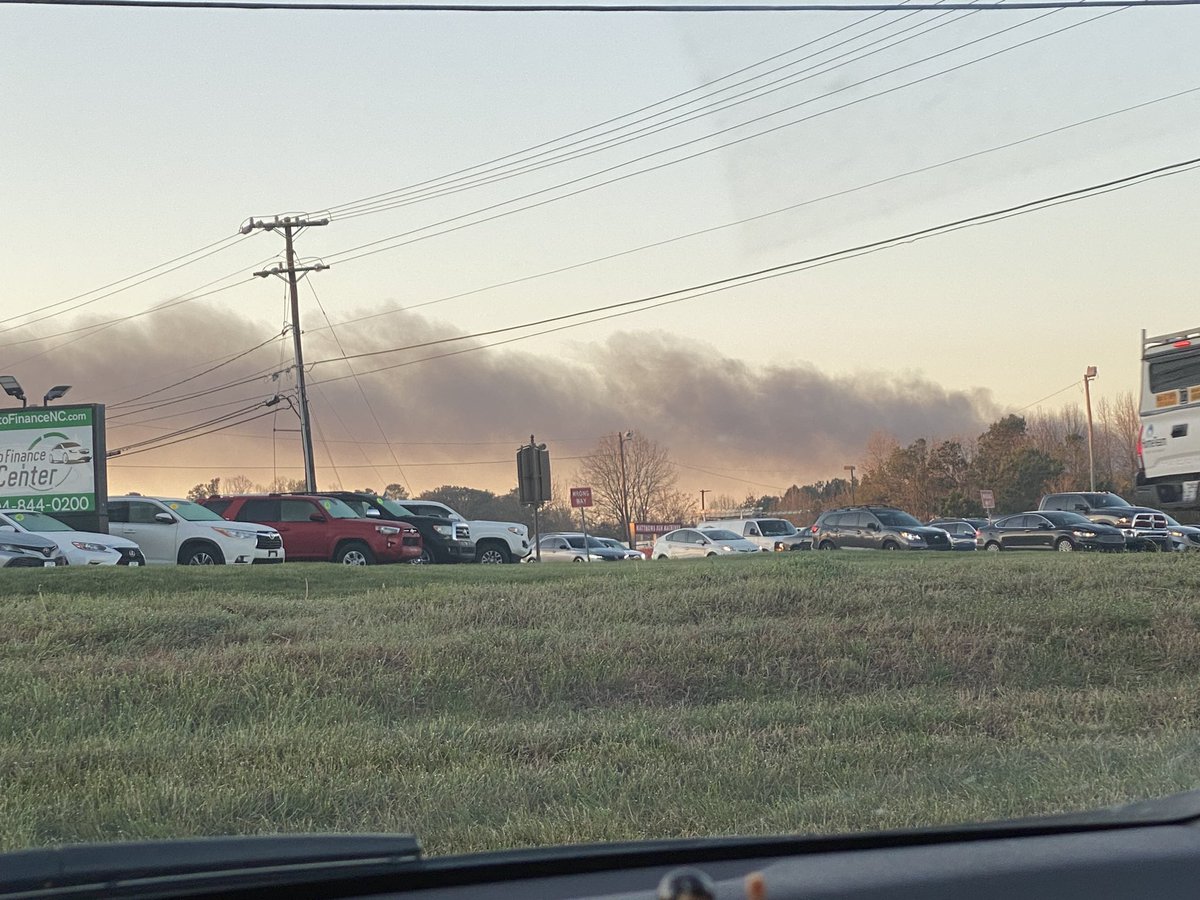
495	542
1169	439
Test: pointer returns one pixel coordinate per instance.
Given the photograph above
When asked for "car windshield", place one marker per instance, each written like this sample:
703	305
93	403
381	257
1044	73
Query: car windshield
1066	518
338	509
776	527
699	267
192	512
720	534
33	521
896	519
396	507
1104	501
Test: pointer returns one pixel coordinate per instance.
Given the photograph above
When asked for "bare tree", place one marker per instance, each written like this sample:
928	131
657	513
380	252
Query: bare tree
647	477
239	484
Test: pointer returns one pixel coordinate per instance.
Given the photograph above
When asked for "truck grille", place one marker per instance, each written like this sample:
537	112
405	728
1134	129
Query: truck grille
462	532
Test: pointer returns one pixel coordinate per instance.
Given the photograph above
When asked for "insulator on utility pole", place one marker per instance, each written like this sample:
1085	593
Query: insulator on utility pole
291	226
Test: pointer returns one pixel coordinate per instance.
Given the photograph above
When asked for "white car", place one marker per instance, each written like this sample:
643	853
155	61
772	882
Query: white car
70	452
81	548
617	545
495	542
570	547
683	543
180	531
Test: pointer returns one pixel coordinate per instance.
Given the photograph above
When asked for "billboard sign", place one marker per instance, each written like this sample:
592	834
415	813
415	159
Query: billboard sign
655	527
52	459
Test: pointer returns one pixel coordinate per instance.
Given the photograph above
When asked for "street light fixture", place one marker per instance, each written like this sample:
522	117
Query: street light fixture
55	393
13	388
1088	375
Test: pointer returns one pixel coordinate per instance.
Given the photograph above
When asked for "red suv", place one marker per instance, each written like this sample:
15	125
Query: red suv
323	529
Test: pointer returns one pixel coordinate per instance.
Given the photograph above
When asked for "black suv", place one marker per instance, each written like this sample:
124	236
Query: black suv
875	528
445	541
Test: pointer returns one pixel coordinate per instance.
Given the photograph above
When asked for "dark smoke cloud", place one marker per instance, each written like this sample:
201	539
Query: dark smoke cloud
787	423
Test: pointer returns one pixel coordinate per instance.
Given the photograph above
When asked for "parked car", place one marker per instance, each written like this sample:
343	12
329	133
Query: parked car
322	529
495	542
962	531
683	543
570	547
1149	531
1187	536
875	528
770	534
179	531
20	550
70	452
443	540
1050	530
1099	506
617	545
81	548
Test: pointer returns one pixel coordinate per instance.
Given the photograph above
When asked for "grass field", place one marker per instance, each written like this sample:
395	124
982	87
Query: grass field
494	707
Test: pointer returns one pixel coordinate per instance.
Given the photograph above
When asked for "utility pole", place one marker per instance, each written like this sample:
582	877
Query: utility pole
702	493
1087	392
622	437
291	226
851	469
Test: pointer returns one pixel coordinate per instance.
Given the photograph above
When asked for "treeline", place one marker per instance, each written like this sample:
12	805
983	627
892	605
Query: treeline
1018	458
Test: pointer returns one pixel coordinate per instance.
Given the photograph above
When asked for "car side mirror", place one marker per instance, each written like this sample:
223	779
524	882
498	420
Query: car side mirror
372	513
165	518
316	517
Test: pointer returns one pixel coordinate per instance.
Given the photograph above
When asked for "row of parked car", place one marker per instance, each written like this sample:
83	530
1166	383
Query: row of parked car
352	528
1063	522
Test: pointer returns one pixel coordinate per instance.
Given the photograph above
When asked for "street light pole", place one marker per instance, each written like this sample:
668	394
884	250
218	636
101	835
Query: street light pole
702	493
1087	392
622	437
850	469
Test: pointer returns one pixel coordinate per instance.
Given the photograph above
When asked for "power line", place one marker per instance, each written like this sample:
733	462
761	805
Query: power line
599	143
789	208
588	8
269	412
689	293
373	247
212	249
1073	384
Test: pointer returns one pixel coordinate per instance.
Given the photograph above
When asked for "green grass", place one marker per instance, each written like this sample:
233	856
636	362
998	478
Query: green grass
493	707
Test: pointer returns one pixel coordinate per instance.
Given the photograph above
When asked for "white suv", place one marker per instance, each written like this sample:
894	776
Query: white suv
180	531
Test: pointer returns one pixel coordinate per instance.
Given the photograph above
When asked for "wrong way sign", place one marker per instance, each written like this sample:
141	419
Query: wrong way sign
581	497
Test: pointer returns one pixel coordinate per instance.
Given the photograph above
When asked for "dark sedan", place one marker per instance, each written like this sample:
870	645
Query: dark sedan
1049	530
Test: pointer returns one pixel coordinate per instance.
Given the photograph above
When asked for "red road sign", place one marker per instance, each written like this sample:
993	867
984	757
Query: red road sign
581	497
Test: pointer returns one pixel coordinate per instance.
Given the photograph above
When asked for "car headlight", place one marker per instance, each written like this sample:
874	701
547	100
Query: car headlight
517	529
1087	534
90	548
1123	520
387	529
726	547
911	536
444	530
239	534
13	548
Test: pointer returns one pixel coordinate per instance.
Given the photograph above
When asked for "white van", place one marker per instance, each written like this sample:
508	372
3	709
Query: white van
768	533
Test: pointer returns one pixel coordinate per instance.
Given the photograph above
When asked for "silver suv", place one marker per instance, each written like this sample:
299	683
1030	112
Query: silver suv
183	532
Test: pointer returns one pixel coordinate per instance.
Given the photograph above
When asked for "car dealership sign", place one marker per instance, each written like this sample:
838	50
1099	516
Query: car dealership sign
52	459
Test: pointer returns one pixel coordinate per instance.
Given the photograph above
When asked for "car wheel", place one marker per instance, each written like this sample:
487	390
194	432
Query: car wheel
826	545
890	545
425	559
354	554
1064	545
661	556
493	555
993	546
200	555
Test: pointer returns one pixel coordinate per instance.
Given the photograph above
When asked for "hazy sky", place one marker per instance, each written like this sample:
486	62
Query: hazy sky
134	136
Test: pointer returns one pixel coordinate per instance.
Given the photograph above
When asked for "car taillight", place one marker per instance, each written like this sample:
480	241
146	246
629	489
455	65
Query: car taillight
813	529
